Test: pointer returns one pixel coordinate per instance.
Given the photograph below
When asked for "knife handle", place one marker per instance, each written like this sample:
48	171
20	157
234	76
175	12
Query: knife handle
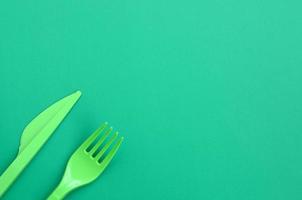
22	160
12	172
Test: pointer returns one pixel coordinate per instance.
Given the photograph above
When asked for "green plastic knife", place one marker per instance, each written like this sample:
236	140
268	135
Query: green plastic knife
34	137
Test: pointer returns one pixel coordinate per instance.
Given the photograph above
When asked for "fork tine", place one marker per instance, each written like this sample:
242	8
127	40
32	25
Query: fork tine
104	149
93	136
112	152
101	140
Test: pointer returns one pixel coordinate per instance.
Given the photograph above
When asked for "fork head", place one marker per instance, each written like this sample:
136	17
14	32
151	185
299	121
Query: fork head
89	160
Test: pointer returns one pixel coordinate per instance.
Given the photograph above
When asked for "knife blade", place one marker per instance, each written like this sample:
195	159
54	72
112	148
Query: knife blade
34	136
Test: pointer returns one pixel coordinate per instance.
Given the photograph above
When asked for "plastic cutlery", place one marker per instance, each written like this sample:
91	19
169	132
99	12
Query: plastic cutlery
87	162
34	137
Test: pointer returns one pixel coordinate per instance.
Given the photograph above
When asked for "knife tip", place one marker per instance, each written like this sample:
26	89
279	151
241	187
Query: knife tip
78	93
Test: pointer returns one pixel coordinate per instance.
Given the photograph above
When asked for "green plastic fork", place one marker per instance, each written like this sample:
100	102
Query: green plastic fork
87	163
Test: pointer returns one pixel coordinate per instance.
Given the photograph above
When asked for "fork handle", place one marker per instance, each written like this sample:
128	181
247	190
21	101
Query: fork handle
60	192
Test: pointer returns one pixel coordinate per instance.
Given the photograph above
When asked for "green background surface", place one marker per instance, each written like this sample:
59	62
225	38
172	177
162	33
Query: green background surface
206	93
